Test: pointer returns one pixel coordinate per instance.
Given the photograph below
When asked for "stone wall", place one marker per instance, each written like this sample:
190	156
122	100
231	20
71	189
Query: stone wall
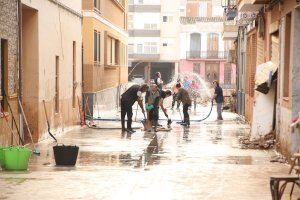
9	32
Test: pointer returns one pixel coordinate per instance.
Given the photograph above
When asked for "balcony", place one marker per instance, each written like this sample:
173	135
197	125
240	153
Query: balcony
230	30
249	6
143	33
206	54
145	8
144	56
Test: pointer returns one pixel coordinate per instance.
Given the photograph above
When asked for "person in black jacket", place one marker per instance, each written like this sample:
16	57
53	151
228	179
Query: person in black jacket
128	98
219	98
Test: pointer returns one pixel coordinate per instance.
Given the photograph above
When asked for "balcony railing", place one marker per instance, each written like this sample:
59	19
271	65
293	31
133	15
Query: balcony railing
143	56
144	33
206	54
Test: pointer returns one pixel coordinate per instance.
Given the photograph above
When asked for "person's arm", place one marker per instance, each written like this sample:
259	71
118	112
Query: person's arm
215	95
140	101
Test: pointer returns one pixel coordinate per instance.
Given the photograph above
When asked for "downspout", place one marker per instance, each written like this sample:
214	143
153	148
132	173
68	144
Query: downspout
20	63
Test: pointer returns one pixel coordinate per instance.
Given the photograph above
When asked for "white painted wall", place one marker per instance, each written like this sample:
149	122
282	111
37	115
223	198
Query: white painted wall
170	30
139	19
142	40
262	113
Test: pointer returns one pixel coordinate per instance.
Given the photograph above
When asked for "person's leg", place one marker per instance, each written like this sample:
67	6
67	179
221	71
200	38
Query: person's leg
178	103
129	117
123	114
155	118
195	104
174	100
219	111
186	114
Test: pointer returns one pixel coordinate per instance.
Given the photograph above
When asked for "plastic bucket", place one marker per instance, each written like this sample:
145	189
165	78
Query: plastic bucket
65	155
16	158
2	157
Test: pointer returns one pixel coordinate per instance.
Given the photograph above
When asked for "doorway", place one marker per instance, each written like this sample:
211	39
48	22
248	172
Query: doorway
212	71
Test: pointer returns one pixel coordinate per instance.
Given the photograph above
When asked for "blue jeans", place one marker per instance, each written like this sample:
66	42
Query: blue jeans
219	111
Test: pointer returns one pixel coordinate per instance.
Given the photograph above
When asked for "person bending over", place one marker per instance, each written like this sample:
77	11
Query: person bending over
152	105
128	98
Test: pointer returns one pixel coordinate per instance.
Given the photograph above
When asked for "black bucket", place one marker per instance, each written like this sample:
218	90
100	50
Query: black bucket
65	155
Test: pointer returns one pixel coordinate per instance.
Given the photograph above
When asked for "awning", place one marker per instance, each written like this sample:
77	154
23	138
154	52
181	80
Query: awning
265	74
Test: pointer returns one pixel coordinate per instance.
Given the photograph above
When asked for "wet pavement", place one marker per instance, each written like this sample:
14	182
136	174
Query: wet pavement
200	162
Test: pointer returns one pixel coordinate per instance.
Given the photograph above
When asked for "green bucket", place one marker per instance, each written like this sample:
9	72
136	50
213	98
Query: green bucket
16	158
2	157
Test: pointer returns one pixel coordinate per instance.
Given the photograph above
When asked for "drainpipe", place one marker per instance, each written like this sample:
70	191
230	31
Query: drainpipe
20	47
20	64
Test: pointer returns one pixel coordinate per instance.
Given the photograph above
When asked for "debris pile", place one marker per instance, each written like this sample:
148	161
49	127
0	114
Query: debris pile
279	159
265	142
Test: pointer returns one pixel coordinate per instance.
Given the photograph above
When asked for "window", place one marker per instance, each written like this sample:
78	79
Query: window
3	71
74	75
286	70
56	84
130	49
141	1
150	48
227	74
202	9
97	47
131	2
167	18
97	4
113	54
212	42
195	46
130	21
139	48
150	26
165	44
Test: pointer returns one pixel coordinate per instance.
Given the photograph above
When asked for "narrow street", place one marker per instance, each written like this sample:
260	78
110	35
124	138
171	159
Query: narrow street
204	162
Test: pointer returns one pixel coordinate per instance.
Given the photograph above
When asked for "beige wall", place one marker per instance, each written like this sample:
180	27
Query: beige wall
110	10
51	31
103	75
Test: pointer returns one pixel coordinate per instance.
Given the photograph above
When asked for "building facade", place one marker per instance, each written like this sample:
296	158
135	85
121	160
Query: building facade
9	70
51	66
203	50
105	61
153	27
267	49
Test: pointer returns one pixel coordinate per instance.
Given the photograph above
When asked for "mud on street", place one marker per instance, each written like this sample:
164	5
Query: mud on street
202	162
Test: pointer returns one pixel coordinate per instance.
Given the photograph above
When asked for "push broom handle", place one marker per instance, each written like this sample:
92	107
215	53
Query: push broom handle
25	120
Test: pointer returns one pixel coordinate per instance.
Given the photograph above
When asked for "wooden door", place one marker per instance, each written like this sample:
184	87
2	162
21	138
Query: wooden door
212	71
